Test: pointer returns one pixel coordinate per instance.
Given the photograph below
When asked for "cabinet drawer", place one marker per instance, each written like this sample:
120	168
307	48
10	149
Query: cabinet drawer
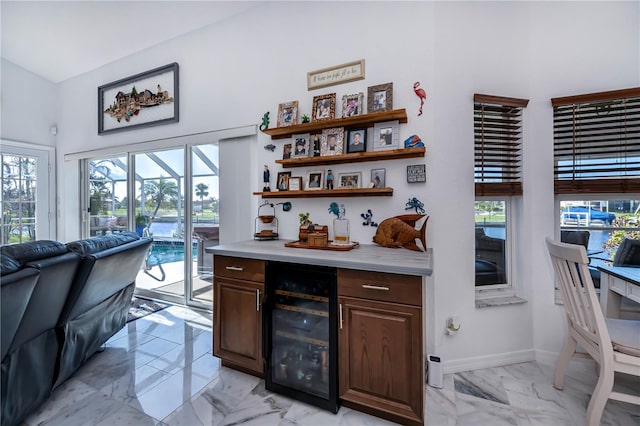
633	292
406	289
238	268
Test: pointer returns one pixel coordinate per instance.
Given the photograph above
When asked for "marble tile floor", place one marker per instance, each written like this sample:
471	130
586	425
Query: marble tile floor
159	370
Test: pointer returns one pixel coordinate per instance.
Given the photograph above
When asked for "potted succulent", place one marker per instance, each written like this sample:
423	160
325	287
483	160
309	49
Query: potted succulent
305	226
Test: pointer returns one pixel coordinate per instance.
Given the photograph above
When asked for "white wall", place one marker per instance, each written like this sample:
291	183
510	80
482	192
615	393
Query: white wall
231	73
28	105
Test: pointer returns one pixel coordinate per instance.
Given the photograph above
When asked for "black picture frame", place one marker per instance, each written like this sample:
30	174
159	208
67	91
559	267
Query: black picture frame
112	96
416	173
357	143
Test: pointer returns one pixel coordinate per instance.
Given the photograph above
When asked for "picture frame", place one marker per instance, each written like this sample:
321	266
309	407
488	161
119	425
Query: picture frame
300	145
380	98
315	180
315	144
283	181
352	105
150	98
351	71
287	114
332	141
295	183
286	151
378	178
386	135
357	141
324	107
350	180
416	173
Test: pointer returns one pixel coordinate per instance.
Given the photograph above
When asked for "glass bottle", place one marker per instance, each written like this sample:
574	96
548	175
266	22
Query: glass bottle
341	227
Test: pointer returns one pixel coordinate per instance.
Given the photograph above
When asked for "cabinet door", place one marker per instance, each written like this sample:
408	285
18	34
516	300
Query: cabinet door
237	330
380	353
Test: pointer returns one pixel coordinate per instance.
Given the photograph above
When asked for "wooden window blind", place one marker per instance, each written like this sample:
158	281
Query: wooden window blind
497	143
597	142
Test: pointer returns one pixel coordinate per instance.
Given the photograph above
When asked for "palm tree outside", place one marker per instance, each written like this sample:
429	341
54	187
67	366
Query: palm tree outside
201	191
160	191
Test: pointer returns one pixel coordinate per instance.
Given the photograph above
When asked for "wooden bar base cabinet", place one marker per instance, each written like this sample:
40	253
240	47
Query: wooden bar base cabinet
237	329
380	344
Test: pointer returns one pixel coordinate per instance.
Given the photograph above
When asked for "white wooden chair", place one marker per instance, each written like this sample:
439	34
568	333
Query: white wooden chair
613	343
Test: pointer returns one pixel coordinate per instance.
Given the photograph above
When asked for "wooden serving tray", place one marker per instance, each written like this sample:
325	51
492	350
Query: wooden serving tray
300	244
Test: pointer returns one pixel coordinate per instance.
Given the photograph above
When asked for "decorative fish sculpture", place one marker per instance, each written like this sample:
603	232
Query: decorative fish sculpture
400	231
271	147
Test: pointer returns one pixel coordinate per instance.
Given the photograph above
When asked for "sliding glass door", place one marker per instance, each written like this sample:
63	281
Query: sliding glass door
171	196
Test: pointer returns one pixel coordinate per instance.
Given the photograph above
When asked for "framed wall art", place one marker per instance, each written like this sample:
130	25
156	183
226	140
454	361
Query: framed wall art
352	104
315	180
350	180
386	135
416	173
332	141
380	98
283	181
324	107
351	71
295	183
357	141
142	100
286	151
300	145
378	178
287	114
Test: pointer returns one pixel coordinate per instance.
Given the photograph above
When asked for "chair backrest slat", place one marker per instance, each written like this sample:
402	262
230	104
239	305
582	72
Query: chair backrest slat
570	263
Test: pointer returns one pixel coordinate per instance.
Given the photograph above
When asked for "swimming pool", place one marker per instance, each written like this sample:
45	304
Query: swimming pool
168	252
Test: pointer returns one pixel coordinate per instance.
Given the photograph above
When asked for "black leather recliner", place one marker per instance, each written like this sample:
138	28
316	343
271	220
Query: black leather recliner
99	299
28	369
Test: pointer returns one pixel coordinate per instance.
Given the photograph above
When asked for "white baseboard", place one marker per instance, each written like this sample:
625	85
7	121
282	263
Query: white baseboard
488	361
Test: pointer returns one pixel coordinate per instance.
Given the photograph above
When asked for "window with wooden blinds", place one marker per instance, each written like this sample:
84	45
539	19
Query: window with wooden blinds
597	142
498	147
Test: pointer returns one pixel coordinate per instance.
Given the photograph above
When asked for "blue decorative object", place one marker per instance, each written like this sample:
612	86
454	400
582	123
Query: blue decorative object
413	141
414	203
271	147
265	122
335	209
368	218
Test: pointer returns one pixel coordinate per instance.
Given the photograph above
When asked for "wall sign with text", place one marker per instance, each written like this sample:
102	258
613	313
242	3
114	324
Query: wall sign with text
416	173
336	75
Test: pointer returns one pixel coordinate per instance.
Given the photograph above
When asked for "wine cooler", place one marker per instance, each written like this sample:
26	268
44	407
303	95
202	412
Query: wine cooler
300	333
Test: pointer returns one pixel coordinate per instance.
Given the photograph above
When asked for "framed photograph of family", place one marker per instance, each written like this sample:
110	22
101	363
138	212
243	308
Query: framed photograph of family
324	107
357	141
350	180
352	104
380	98
386	135
295	183
287	114
283	181
300	145
378	178
332	141
286	151
315	180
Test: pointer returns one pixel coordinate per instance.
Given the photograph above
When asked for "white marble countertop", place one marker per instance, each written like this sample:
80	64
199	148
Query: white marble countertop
367	257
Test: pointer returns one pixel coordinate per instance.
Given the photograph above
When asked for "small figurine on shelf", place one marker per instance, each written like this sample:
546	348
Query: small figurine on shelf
329	179
265	122
305	118
266	177
421	94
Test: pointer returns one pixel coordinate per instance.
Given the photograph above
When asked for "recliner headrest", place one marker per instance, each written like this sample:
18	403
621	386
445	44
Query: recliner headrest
96	244
33	250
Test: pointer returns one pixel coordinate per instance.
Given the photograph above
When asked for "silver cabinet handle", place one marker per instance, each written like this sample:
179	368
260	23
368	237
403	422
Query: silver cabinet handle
257	300
341	318
375	287
234	268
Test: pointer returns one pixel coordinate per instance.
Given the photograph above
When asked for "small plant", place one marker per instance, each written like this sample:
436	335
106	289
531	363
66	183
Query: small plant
142	220
305	118
304	219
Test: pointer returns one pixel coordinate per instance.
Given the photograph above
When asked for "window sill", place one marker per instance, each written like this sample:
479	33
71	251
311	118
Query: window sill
490	302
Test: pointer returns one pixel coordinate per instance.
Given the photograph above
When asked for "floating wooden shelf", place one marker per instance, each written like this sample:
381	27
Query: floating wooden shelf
340	192
365	120
358	157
